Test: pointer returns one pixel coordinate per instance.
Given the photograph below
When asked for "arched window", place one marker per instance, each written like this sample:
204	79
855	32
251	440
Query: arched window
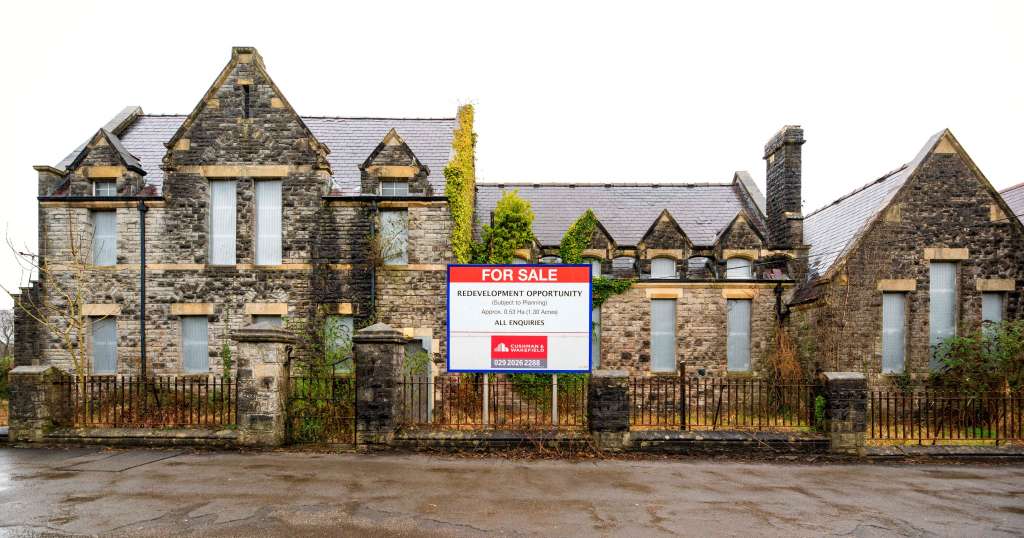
663	268
595	266
738	268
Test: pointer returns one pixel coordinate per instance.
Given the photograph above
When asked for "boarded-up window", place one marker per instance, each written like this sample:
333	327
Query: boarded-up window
104	345
195	343
942	306
663	335
394	188
268	222
338	341
738	344
394	236
663	268
222	222
595	337
738	268
992	307
104	237
894	333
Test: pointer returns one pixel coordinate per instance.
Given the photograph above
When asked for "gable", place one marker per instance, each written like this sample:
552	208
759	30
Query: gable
665	233
741	234
938	198
244	118
392	157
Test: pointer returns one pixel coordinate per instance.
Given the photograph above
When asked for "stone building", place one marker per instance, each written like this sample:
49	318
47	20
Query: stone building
254	213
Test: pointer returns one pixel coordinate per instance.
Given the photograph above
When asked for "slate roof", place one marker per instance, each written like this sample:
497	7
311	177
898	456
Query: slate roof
1014	197
350	140
625	209
832	230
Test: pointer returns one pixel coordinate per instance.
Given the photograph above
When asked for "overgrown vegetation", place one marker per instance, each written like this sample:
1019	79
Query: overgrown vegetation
574	242
460	184
323	344
512	229
986	361
6	364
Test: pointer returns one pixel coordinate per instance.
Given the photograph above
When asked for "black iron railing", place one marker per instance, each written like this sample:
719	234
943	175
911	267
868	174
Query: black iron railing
944	417
706	403
499	402
150	402
322	409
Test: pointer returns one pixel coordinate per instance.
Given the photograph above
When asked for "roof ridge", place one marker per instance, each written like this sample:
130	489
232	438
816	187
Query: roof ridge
857	190
604	184
1012	187
375	118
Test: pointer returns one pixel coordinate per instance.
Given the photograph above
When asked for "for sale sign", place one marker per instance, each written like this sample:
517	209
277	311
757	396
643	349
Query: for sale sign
519	318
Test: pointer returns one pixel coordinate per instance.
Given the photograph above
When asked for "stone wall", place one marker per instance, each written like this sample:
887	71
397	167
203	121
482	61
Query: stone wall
701	327
783	181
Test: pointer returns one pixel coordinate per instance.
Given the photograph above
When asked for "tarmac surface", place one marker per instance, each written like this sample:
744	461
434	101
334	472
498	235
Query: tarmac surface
56	491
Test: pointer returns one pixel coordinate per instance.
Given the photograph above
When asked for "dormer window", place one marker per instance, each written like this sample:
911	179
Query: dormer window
394	187
663	268
104	188
738	268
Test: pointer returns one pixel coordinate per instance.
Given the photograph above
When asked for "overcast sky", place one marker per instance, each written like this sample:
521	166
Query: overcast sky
623	91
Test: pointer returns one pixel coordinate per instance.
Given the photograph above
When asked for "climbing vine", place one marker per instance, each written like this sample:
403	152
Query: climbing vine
460	184
512	228
574	242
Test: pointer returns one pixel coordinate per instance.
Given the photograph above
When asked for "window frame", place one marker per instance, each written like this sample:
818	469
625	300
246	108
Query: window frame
269	254
93	326
185	365
664	261
935	337
732	335
392	182
402	258
655	367
888	365
96	187
212	235
748	265
94	254
998	296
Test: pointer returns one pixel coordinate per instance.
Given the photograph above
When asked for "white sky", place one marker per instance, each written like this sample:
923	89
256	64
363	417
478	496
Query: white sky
621	91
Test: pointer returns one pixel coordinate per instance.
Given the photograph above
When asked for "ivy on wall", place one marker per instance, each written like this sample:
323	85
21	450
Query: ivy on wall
460	184
512	228
574	242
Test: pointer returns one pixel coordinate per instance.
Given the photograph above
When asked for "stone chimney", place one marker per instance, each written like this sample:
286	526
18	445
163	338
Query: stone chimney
785	216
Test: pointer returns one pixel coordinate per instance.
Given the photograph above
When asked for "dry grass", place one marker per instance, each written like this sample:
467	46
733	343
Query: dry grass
3	413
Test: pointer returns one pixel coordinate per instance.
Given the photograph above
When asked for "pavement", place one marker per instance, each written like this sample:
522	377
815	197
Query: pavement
142	492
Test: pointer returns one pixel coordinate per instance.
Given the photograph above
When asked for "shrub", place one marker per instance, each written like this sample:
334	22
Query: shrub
988	360
6	364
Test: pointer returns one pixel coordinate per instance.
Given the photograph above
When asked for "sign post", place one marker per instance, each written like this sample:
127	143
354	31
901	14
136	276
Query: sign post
519	318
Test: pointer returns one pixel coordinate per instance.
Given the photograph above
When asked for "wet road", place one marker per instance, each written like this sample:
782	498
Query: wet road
157	493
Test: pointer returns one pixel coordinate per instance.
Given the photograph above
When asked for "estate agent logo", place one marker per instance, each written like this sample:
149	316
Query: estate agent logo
519	351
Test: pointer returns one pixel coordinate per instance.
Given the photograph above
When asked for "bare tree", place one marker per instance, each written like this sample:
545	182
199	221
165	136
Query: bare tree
6	333
63	286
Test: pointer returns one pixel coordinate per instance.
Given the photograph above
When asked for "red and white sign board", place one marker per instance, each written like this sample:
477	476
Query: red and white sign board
519	318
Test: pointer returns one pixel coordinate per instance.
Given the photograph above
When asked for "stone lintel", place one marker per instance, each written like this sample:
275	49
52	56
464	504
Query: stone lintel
417	267
31	370
748	253
97	310
674	253
609	373
523	253
598	253
192	309
344	309
946	254
739	293
266	309
243	170
663	294
104	172
897	284
100	204
996	284
406	172
844	376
